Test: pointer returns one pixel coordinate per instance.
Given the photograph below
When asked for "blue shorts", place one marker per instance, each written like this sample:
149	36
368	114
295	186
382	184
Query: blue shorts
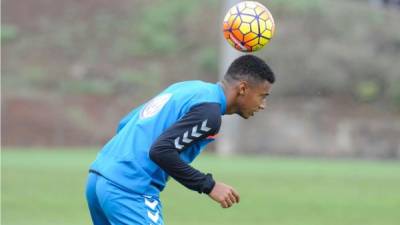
110	204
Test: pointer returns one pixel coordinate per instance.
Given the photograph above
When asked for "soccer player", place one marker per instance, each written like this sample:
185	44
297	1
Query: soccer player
161	137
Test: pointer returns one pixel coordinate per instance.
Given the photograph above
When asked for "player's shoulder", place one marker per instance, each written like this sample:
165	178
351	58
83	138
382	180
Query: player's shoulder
207	111
203	88
195	92
193	86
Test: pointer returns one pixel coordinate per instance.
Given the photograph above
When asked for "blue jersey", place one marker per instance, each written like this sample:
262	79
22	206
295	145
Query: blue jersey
180	120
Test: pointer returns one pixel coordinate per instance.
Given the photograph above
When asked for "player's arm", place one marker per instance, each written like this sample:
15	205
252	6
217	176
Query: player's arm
200	122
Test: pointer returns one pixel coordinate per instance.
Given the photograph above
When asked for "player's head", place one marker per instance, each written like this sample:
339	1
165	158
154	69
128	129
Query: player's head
250	79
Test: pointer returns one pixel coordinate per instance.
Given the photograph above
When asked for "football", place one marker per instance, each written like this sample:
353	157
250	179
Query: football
248	26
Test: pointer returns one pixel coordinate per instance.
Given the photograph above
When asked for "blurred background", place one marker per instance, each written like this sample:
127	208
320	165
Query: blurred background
71	69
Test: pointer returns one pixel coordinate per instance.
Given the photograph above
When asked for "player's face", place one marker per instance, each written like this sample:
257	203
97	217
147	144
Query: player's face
252	98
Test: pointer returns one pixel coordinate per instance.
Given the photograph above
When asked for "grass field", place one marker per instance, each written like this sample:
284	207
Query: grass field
47	187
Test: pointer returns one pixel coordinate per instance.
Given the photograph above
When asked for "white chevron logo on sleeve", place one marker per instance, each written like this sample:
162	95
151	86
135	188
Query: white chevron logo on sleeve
204	126
195	133
185	138
177	145
153	217
152	205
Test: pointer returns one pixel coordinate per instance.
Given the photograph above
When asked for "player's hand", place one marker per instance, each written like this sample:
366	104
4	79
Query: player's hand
224	195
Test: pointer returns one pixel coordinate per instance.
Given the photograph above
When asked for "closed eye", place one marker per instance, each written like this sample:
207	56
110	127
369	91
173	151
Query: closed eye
264	95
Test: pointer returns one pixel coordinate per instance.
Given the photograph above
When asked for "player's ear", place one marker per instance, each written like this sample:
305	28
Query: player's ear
243	86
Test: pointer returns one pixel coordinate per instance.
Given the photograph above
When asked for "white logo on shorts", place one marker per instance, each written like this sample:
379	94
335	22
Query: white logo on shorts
153	217
152	212
154	106
152	205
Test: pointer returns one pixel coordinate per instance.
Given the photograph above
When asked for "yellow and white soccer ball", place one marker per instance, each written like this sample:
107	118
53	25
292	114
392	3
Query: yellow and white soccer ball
248	26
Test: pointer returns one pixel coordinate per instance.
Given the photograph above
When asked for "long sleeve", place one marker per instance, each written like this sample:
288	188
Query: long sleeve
200	122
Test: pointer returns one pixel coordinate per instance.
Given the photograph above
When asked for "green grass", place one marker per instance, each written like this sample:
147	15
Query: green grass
47	187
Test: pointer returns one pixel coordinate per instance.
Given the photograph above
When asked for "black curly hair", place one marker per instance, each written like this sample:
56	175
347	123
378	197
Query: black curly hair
250	68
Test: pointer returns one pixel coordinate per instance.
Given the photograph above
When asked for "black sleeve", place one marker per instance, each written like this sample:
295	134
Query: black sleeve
201	121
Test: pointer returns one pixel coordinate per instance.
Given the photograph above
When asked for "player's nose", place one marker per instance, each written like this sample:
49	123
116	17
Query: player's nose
263	105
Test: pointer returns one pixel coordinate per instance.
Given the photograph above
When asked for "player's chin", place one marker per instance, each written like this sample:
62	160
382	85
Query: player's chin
246	115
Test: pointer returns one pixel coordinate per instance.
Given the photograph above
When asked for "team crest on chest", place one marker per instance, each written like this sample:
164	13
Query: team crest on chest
154	106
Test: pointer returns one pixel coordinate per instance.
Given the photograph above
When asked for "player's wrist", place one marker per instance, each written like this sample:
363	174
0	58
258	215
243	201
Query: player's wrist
208	184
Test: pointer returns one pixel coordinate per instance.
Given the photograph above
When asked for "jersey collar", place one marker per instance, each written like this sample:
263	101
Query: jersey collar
222	98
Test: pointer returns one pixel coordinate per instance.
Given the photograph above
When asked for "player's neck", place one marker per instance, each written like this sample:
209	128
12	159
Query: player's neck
230	96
